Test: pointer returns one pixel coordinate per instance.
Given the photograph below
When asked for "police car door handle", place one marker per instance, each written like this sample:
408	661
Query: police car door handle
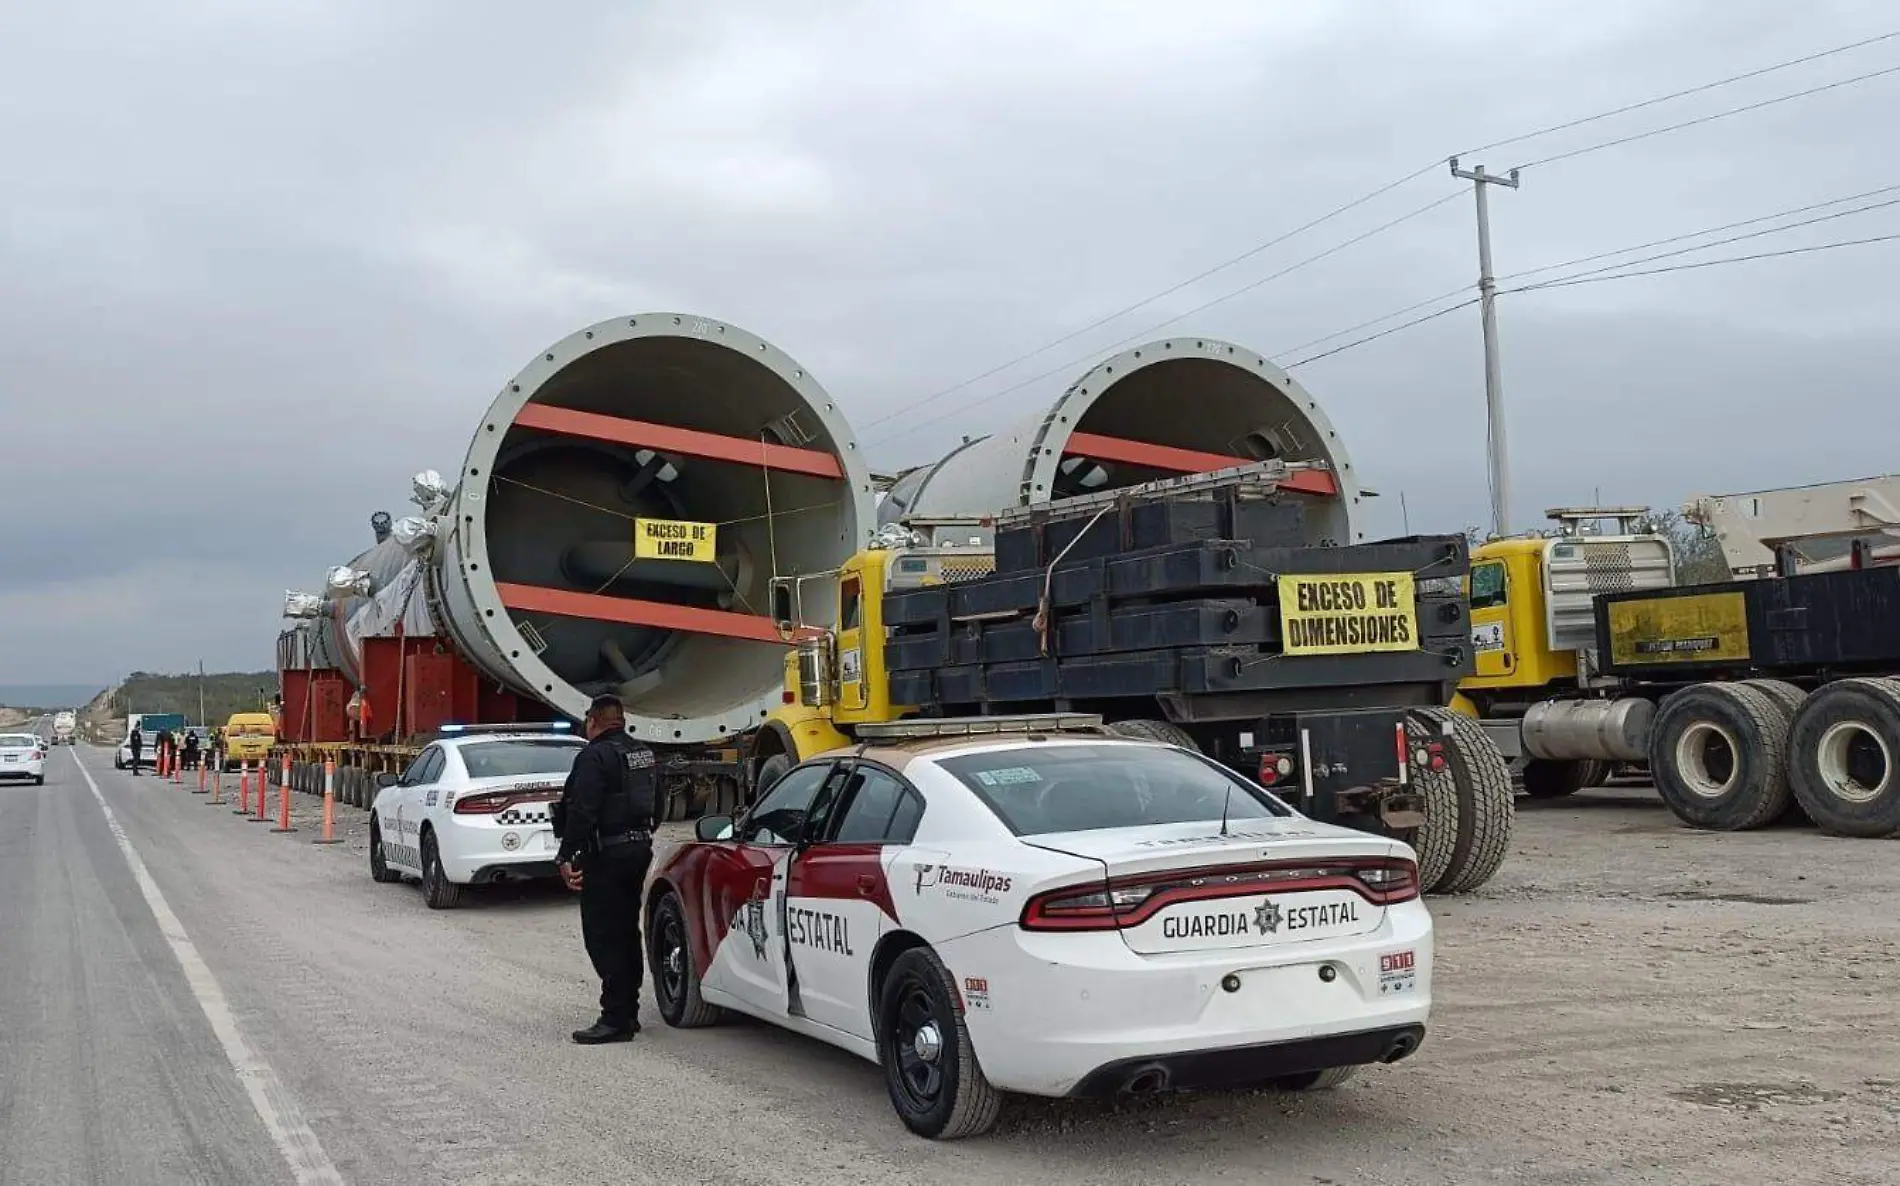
867	884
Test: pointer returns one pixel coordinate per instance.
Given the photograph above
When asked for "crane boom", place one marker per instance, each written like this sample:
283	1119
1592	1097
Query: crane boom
1753	526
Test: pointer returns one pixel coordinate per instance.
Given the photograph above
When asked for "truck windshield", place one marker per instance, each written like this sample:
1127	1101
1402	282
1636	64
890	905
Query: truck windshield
1079	788
504	759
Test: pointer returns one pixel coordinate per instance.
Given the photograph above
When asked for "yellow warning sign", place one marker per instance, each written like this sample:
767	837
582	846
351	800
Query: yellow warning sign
1348	614
1700	628
674	539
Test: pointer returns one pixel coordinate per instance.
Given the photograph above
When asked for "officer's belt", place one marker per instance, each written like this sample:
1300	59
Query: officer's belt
638	836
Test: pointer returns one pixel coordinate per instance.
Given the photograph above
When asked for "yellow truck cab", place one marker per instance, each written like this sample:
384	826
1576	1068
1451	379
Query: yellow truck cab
1535	689
248	737
836	679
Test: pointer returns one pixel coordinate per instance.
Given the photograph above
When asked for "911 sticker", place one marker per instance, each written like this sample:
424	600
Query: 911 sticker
976	992
1398	972
1488	637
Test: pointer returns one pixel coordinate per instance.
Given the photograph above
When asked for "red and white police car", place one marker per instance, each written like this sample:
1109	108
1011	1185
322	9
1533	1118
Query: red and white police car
1042	907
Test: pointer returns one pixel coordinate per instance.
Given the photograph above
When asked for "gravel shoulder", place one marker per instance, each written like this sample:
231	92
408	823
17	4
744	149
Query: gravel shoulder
1627	1001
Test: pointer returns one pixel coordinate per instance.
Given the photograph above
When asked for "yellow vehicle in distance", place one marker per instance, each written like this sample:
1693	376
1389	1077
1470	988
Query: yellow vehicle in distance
248	737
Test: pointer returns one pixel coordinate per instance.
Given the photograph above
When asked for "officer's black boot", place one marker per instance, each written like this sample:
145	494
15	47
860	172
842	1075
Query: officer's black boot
600	1033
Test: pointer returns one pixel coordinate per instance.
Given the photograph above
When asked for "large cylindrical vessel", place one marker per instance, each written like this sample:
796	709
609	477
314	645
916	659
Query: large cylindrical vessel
332	643
641	424
1183	405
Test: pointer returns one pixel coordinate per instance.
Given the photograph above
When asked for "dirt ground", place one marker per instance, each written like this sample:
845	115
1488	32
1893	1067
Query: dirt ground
1627	1002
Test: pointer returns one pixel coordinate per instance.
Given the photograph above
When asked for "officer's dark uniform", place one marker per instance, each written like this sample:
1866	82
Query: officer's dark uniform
137	744
610	802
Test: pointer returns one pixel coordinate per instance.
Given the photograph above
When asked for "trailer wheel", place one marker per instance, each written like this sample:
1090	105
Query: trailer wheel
1161	731
1844	757
1788	698
1546	778
1478	779
1716	755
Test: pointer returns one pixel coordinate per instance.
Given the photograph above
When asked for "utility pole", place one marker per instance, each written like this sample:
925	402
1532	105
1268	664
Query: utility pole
1493	371
201	693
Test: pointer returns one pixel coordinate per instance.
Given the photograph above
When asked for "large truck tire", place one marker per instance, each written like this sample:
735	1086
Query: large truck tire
1716	754
1478	780
1161	731
1547	778
1844	757
1788	698
770	771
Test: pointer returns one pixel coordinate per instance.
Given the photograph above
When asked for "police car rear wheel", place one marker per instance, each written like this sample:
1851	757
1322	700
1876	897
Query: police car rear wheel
379	869
929	1062
437	890
675	977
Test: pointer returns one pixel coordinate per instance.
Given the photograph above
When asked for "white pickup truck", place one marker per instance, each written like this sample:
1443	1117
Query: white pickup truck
65	728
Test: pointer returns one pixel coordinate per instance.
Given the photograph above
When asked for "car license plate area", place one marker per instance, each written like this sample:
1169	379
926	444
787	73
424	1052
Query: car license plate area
1289	995
1259	920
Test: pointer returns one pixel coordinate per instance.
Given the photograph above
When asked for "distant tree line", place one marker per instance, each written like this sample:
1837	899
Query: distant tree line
225	692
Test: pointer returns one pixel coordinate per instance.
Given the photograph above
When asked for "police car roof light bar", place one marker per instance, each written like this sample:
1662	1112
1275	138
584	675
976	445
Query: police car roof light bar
1032	722
535	727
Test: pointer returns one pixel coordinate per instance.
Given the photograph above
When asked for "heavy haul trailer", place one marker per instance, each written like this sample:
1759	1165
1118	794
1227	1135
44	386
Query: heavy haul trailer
1774	695
1190	611
526	584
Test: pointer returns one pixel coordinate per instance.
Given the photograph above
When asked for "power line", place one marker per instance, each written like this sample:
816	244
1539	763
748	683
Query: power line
1388	187
1727	226
1713	243
1710	118
1683	94
1353	329
1099	322
1464	304
1710	263
1138	335
1594	279
1586	259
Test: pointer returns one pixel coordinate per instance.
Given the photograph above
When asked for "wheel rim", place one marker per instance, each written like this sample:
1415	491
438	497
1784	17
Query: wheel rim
1706	759
914	1046
672	970
1855	763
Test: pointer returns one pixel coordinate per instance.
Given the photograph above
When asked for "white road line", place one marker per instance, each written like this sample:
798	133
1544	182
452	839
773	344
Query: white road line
282	1118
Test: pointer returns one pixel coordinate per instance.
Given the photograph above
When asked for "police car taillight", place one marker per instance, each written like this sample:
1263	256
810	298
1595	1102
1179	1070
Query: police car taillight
1131	901
482	804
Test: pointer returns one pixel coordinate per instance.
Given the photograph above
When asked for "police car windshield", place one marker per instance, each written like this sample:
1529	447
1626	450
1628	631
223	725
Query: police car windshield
1079	788
520	756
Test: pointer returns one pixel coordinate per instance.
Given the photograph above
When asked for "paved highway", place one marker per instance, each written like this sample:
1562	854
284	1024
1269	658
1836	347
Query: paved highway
186	997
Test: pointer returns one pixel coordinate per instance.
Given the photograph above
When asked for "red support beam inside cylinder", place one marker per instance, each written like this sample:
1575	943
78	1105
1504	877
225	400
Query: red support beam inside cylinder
1097	447
663	438
635	612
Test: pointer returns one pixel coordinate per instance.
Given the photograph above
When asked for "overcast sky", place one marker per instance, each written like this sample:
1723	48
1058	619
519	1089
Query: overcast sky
259	262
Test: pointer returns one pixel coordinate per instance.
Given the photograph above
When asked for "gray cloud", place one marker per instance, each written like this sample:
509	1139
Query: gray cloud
256	265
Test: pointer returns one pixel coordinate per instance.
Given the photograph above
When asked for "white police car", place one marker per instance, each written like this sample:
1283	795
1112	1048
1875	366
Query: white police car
1052	911
472	809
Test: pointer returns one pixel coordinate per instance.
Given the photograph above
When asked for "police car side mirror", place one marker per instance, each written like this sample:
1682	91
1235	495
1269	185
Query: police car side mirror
713	827
386	780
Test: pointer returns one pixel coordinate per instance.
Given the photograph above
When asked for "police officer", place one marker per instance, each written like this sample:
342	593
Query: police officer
609	809
136	743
